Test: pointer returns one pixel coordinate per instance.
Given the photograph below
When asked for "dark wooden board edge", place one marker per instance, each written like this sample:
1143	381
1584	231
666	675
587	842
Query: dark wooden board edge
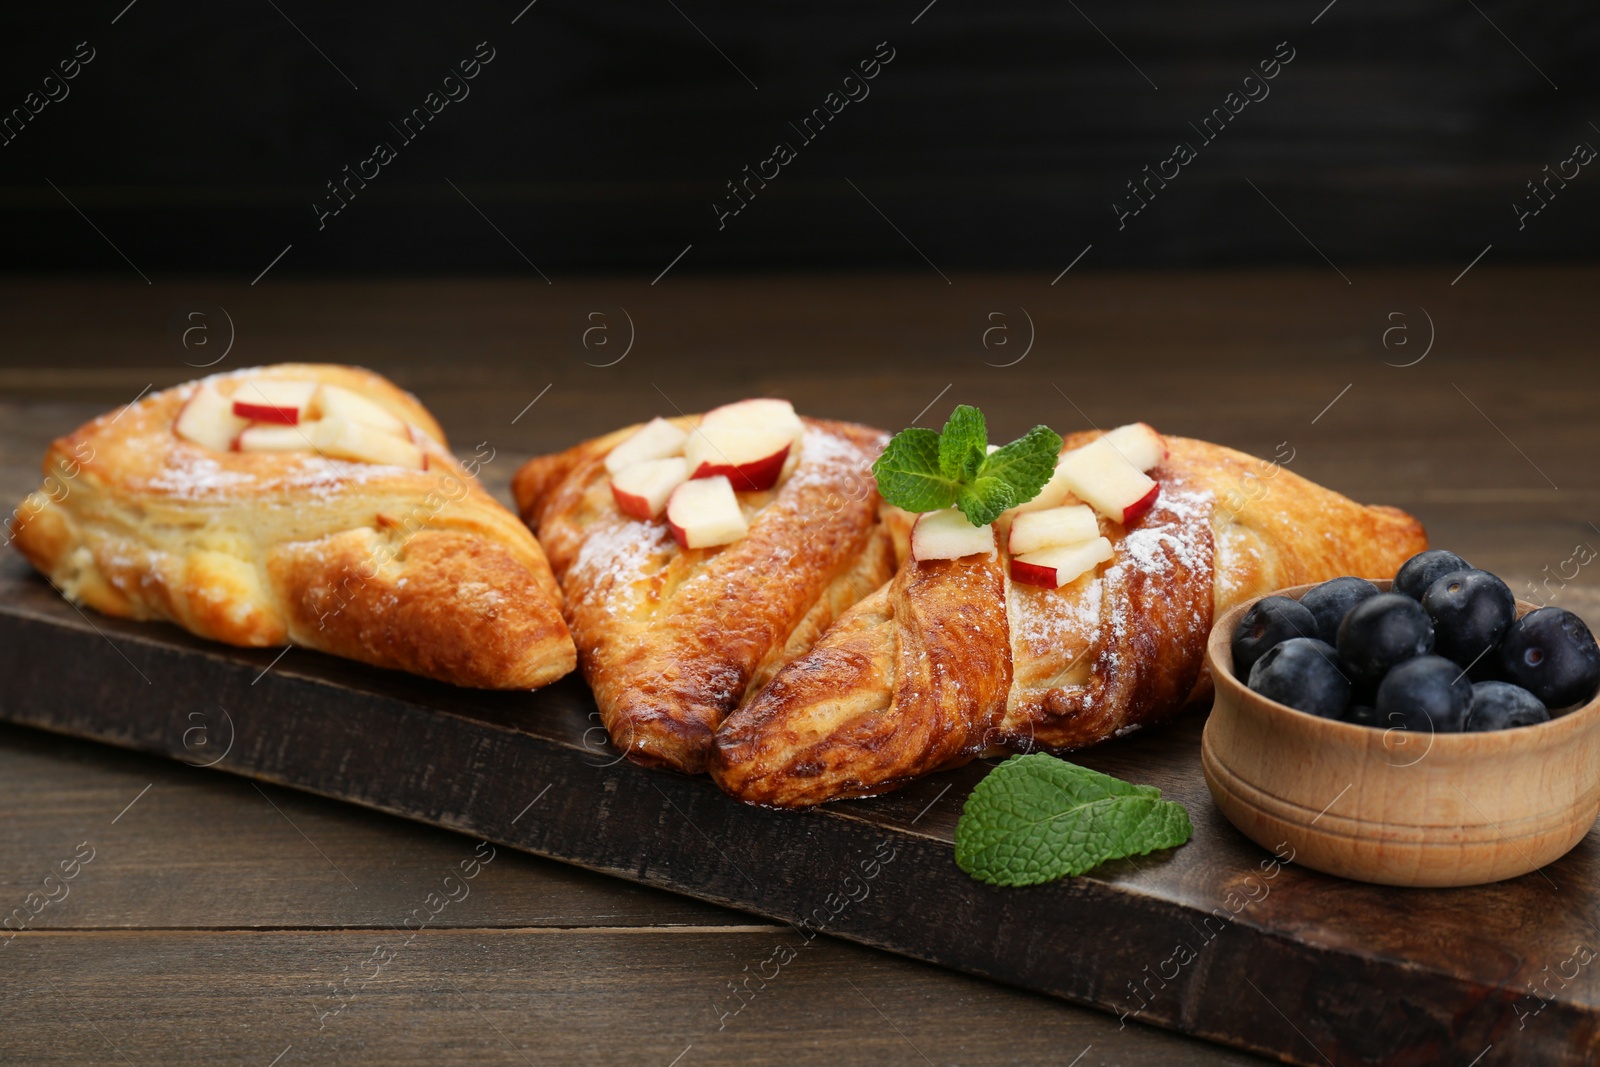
295	726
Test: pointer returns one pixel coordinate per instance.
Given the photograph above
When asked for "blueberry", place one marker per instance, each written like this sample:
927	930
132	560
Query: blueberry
1501	705
1551	654
1422	570
1362	715
1380	632
1427	693
1303	673
1331	601
1471	611
1270	620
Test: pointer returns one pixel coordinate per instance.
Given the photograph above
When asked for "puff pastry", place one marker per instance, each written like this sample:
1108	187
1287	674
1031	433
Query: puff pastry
419	570
952	657
671	639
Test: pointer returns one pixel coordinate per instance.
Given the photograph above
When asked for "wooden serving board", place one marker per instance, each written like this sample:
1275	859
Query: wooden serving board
1215	939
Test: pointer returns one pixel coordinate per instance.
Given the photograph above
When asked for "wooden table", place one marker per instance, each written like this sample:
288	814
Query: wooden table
216	916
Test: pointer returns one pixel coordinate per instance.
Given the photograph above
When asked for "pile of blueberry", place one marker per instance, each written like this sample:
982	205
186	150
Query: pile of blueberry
1443	651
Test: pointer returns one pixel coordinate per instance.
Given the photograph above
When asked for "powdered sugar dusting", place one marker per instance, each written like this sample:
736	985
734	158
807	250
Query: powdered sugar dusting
824	457
191	473
1057	626
1042	619
613	556
1158	550
1178	540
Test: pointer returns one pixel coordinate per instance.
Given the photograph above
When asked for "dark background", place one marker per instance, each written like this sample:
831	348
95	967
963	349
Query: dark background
599	137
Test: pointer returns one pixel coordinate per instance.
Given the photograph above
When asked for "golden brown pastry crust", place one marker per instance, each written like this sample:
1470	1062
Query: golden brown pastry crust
672	640
868	709
415	570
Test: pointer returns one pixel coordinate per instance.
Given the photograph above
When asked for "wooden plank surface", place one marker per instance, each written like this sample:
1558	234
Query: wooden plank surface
1245	359
210	927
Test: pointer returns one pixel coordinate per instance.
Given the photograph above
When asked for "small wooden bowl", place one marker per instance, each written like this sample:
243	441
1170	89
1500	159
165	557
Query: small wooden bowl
1392	806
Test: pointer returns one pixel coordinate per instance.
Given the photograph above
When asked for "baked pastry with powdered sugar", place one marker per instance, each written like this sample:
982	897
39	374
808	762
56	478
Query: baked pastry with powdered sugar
309	504
953	656
699	554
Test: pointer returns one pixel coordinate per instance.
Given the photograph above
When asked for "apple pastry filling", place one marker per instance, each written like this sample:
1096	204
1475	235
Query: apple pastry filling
1055	538
693	476
285	415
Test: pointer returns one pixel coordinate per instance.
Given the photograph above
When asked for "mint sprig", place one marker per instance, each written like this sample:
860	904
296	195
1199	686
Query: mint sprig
925	471
1037	818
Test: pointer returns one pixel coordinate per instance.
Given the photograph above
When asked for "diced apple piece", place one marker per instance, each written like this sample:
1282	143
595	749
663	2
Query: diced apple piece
642	489
207	418
1055	567
704	513
750	457
344	439
762	411
948	535
264	437
1139	445
1054	495
1099	474
656	439
339	403
277	400
752	427
1052	528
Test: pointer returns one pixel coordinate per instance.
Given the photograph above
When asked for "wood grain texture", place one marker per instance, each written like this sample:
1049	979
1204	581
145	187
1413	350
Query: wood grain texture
229	927
202	850
525	997
1329	946
1247	359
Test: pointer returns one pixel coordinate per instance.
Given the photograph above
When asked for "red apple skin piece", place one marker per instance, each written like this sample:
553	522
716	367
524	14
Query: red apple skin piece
1136	511
635	507
679	534
1033	574
1045	567
267	413
716	502
748	477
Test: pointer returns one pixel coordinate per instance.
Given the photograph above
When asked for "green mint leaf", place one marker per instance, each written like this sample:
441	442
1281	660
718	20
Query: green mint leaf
1009	476
984	497
925	471
908	472
1026	463
1037	818
963	444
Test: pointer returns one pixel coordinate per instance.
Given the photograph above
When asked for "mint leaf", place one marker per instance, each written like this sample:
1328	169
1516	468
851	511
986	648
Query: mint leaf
983	498
963	444
1037	818
1009	476
1026	463
908	472
925	471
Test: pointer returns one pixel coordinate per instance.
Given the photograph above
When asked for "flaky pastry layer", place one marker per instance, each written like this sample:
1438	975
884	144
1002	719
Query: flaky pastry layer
415	570
671	640
952	657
